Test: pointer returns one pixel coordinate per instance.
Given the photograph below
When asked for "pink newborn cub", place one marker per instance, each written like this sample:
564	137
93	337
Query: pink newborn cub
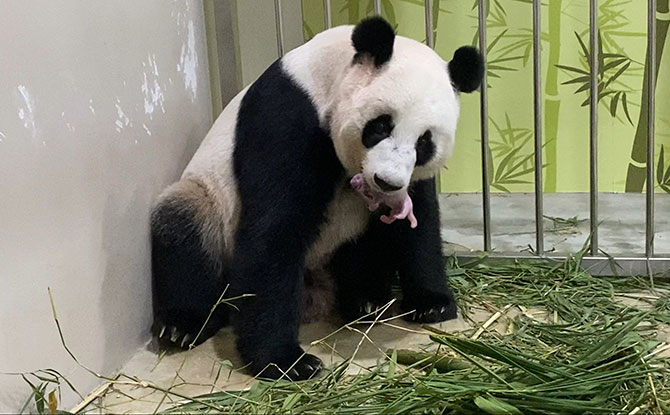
400	204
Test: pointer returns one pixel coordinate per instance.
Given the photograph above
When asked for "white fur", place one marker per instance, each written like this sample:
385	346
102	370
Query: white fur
414	87
212	165
346	218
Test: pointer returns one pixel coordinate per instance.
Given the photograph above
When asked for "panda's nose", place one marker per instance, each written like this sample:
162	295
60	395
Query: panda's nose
386	186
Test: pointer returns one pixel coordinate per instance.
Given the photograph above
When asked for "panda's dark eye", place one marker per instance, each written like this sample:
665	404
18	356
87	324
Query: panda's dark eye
425	148
377	130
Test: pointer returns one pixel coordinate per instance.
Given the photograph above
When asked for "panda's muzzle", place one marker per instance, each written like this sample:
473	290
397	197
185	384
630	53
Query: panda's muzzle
385	186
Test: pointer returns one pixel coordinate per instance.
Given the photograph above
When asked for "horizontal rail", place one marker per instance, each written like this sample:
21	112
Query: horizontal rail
594	265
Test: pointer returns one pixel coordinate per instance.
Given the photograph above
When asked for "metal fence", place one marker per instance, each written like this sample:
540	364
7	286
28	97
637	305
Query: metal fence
594	261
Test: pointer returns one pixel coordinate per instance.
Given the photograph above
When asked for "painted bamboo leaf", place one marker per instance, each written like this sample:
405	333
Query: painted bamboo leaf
636	174
611	66
663	174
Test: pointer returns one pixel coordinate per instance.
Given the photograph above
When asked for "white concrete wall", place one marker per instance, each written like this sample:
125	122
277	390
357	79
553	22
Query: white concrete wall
102	103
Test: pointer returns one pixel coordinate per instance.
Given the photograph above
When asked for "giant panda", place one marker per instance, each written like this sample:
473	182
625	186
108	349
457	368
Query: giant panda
313	190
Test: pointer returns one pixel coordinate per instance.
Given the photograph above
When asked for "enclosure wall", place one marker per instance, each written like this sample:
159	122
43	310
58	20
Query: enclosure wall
101	106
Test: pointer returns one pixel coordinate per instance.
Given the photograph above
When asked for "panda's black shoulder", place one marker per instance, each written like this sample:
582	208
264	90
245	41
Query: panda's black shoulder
279	139
279	101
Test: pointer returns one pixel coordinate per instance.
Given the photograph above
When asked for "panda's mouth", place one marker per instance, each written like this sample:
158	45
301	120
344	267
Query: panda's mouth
400	203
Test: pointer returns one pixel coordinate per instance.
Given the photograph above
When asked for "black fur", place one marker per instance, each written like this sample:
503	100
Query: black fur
374	36
186	282
377	130
466	69
425	148
286	169
364	269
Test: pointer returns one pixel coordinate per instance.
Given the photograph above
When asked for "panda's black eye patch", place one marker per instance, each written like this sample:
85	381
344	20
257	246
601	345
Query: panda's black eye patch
377	130
425	148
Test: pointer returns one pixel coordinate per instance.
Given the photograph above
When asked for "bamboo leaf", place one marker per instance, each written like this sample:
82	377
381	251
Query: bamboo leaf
496	40
572	69
617	74
500	187
660	169
53	403
290	401
505	161
495	406
585	50
624	104
613	103
583	88
578	80
613	64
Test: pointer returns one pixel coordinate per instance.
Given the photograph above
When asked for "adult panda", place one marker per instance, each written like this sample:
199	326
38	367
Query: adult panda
317	179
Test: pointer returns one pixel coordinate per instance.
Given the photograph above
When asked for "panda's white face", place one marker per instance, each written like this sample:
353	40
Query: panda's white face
395	123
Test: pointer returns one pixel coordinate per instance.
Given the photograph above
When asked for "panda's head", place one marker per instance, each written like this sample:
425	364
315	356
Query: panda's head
395	109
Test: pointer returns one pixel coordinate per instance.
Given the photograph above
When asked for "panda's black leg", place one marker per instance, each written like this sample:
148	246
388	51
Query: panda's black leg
363	274
186	280
421	264
269	267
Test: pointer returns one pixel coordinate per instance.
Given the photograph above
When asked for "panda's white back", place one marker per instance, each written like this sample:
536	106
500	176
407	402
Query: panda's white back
312	66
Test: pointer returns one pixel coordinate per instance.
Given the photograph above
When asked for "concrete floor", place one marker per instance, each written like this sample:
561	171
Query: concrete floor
209	367
621	230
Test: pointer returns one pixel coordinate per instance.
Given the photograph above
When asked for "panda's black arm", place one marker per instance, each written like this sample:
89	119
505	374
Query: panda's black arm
421	263
286	169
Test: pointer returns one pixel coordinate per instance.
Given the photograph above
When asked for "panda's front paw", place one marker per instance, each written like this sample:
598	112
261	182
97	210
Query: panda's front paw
303	367
429	307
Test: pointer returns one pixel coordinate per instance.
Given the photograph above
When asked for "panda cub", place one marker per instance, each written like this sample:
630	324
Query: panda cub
313	190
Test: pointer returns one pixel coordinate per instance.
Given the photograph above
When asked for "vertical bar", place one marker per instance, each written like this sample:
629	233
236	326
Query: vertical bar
378	7
428	11
279	25
430	42
593	104
484	127
651	96
537	105
327	20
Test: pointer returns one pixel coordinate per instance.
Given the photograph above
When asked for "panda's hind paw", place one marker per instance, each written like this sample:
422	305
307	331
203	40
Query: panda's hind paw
183	332
356	309
171	336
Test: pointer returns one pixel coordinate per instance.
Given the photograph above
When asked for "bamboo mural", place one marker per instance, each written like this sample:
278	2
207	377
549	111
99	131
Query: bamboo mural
565	80
636	177
552	101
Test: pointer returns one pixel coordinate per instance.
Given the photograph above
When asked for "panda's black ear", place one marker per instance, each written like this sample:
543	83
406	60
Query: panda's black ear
466	69
373	36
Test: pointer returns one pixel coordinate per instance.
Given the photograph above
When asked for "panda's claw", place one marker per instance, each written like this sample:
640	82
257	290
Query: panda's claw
174	334
162	332
185	340
368	307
